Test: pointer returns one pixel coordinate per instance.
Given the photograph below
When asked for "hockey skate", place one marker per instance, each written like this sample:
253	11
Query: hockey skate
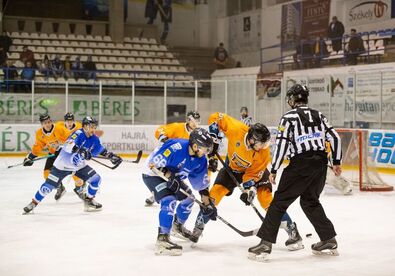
164	246
149	201
91	204
327	247
260	252
30	207
60	192
196	233
80	191
294	241
178	230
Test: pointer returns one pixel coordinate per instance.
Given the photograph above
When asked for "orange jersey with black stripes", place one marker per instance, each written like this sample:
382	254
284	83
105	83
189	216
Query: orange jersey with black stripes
240	157
77	125
51	140
173	130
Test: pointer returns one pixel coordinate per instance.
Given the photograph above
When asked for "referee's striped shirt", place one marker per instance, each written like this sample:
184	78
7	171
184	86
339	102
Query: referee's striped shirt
303	129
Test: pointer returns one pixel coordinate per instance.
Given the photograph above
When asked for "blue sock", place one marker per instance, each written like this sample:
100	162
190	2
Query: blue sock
45	189
166	214
184	209
94	183
287	218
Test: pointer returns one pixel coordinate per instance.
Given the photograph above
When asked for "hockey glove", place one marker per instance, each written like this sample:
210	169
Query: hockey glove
213	164
248	196
174	183
28	161
210	210
85	153
116	160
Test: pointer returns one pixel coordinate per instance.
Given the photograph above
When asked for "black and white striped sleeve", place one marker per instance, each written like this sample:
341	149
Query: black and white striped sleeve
334	139
282	142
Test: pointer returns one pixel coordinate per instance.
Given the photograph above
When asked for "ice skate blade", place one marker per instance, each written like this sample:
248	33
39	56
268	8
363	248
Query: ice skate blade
163	251
27	213
90	210
295	246
326	252
263	257
178	235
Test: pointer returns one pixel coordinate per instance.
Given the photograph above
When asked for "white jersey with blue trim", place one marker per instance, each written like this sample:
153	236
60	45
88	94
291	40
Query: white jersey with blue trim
69	158
174	156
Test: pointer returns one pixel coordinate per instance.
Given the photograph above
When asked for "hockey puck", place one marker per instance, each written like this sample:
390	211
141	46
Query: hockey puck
308	235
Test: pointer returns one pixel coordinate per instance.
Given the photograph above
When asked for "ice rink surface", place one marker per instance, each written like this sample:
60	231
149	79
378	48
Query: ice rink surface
61	239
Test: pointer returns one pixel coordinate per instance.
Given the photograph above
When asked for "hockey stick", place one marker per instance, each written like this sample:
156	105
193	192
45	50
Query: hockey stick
105	165
240	232
137	160
237	183
34	160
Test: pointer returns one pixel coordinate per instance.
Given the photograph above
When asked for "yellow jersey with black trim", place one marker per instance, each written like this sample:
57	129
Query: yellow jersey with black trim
241	158
51	140
77	125
173	130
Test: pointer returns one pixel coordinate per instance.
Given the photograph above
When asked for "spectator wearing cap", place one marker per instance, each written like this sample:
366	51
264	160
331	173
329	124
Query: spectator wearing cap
355	48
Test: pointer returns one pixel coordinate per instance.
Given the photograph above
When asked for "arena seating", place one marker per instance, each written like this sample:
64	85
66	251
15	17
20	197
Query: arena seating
118	64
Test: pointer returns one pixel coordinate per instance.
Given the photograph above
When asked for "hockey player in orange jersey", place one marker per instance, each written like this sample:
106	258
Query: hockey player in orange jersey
248	155
70	125
180	130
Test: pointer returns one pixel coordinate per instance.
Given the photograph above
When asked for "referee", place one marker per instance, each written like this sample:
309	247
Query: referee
302	133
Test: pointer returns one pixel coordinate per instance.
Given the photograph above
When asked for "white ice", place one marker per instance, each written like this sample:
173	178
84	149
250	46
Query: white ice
61	239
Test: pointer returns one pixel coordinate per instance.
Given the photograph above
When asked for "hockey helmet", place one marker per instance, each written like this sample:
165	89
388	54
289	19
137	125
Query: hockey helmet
297	93
89	121
259	133
193	115
44	117
202	139
69	116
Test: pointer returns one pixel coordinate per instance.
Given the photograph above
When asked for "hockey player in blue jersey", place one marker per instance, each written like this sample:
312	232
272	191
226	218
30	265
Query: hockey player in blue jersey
81	146
184	163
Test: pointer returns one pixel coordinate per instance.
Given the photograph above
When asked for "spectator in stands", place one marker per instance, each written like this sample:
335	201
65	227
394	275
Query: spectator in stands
304	54
90	66
238	64
57	67
320	51
44	67
67	68
335	33
27	55
77	68
5	42
164	7
355	48
10	75
28	74
220	56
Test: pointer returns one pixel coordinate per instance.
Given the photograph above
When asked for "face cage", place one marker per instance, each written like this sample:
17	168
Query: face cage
264	145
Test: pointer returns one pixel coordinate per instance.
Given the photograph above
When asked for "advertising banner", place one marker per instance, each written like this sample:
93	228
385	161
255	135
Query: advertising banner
367	12
315	18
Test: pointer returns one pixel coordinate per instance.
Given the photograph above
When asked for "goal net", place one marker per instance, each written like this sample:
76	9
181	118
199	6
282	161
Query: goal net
358	164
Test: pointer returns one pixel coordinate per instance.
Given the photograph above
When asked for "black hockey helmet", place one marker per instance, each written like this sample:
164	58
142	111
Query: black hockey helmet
193	115
89	121
259	133
44	117
69	116
297	93
202	138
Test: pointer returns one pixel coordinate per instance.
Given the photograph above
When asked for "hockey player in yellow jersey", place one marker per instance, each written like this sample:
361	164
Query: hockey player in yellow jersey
49	137
181	130
248	155
70	125
178	130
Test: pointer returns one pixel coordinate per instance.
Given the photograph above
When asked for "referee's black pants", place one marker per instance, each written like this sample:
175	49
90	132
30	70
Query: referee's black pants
305	177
